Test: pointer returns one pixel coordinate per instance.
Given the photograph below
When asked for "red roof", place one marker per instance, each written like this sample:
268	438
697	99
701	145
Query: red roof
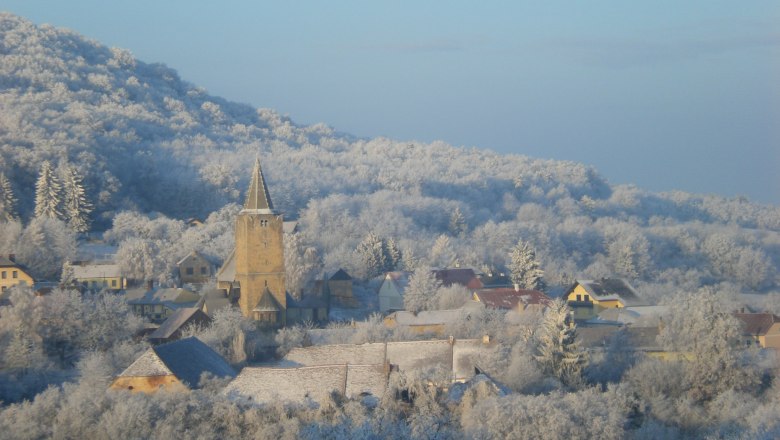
757	323
464	277
508	298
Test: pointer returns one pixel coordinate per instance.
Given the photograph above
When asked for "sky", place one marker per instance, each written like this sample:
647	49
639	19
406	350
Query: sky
667	95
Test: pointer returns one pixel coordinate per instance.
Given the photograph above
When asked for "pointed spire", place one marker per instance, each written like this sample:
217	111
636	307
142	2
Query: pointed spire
257	197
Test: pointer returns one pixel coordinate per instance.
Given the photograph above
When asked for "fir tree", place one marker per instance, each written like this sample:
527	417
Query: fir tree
373	254
47	193
557	350
7	200
393	255
457	225
525	268
76	206
421	291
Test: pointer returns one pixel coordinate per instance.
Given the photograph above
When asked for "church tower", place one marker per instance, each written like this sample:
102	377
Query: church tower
259	255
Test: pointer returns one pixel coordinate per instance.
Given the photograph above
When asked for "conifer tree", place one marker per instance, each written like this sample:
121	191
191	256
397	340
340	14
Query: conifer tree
393	255
457	224
373	255
421	291
7	200
557	350
525	268
47	193
76	206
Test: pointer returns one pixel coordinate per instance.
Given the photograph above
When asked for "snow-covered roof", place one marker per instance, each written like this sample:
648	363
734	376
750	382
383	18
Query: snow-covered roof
263	385
227	273
607	289
187	359
412	355
426	317
162	295
87	271
176	321
509	298
362	354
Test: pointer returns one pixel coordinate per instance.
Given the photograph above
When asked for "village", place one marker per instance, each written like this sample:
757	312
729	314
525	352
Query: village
594	317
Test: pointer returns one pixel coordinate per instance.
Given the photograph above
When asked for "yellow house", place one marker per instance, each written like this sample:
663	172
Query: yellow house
176	365
587	298
762	329
13	274
99	276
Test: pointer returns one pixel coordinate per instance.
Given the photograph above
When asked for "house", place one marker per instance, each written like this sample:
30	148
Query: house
391	292
458	276
171	329
259	385
460	356
492	280
516	299
13	274
97	277
194	268
588	298
255	268
340	289
159	303
427	321
309	308
177	365
762	329
213	300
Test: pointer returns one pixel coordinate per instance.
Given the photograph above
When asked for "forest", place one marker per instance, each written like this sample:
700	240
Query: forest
150	151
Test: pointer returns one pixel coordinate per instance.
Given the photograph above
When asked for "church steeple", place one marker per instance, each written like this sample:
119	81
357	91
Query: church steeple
257	197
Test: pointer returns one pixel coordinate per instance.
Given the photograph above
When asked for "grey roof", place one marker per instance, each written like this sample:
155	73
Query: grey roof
193	254
363	354
6	262
267	303
289	226
96	271
412	355
171	297
482	381
307	302
227	273
612	288
187	359
427	317
264	385
340	275
175	322
257	197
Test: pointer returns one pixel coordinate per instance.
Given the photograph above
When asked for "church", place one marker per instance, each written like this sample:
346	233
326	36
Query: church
254	272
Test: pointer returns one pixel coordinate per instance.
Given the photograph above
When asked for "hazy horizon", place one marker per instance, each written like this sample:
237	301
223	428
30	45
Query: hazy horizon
665	96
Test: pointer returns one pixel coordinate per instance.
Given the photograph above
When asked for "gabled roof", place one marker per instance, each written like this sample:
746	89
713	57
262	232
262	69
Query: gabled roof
175	322
426	317
227	273
187	359
193	254
263	385
363	354
461	276
307	302
267	303
509	298
6	262
400	280
96	271
290	226
340	275
257	197
757	324
173	297
611	289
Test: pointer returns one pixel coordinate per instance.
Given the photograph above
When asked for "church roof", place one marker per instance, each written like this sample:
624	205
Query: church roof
257	197
267	303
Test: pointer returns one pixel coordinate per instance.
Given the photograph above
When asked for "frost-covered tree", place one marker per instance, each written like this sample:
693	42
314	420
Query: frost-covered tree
22	353
76	207
301	263
48	196
457	226
702	326
44	245
525	267
393	255
372	253
140	259
441	254
420	293
557	350
7	200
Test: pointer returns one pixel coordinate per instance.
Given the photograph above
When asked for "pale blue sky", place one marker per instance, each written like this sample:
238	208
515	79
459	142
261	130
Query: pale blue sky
664	94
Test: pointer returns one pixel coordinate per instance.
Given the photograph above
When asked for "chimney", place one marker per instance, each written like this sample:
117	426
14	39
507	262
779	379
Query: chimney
517	287
12	257
486	339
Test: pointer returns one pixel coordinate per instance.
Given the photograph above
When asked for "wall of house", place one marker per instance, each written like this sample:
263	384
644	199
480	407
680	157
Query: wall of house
195	269
110	283
12	276
390	298
147	384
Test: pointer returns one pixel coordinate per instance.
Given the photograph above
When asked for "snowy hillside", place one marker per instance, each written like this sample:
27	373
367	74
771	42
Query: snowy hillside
146	140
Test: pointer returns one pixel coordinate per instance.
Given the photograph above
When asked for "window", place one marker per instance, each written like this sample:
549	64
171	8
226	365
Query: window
15	274
587	298
5	275
203	270
190	271
4	287
105	283
113	283
579	297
